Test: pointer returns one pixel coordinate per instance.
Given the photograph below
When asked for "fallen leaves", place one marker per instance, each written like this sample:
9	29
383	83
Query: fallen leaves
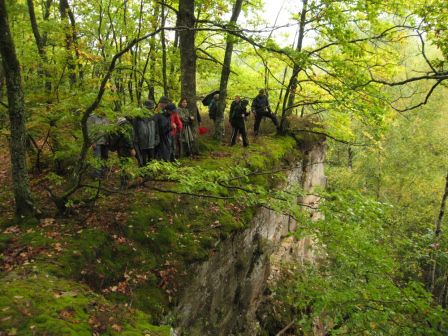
12	229
68	314
57	247
45	222
168	276
16	255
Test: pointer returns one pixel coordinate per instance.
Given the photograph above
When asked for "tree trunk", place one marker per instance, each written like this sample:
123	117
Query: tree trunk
225	73
437	232
152	61
40	43
288	101
68	22
16	109
185	24
350	155
163	41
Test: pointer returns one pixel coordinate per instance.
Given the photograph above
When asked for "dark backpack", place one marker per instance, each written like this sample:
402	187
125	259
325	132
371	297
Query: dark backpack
121	137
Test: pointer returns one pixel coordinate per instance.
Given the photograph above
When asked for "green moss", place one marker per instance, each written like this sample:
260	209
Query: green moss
162	229
35	303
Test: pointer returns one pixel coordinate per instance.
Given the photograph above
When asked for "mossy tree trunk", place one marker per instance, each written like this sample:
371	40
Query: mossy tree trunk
16	109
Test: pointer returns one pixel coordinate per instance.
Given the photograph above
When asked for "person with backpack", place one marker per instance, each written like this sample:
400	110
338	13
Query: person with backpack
261	108
238	114
163	125
213	108
146	137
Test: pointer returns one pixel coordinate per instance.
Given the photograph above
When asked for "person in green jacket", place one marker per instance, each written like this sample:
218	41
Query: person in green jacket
188	136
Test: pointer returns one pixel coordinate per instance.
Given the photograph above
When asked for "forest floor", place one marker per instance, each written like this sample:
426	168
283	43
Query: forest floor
115	266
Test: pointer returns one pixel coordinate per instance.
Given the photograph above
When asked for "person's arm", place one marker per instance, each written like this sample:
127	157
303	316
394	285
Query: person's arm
179	122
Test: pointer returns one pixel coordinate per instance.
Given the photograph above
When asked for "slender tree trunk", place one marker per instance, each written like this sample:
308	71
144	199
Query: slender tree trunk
173	76
71	63
163	41
40	43
437	233
185	24
16	109
136	59
225	73
288	100
71	38
152	60
350	157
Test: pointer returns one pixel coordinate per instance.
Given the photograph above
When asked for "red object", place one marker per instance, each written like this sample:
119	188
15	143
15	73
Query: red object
203	130
175	119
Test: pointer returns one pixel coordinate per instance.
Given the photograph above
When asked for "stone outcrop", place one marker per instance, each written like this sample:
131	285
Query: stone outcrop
225	291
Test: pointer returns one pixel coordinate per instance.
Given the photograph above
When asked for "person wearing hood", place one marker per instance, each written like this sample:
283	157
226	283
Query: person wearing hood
238	114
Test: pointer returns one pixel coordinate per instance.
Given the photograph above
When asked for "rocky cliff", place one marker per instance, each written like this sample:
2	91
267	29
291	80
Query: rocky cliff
225	291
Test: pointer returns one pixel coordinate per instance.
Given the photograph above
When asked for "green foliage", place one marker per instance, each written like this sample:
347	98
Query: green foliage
356	286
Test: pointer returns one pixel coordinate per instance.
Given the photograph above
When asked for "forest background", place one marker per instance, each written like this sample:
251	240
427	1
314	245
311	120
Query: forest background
370	75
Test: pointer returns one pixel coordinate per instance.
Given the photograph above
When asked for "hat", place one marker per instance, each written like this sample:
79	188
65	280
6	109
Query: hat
170	107
149	104
164	100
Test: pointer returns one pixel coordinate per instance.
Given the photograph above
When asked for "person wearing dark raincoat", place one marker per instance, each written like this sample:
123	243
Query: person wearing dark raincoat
213	108
146	137
261	108
238	114
163	124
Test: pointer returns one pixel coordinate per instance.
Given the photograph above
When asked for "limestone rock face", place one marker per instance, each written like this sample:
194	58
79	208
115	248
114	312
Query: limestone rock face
225	291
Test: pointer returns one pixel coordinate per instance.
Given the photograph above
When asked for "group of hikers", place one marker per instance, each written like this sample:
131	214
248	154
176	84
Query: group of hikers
167	132
238	114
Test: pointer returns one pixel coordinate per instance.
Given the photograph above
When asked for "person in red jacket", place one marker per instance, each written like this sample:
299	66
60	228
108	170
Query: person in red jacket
176	129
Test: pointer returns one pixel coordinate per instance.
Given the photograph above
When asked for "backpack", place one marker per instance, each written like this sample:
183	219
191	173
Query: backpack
120	137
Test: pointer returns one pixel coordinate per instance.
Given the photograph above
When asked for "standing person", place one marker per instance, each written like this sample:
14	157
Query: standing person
238	114
96	125
176	129
188	136
163	124
213	108
146	136
235	102
163	101
260	105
